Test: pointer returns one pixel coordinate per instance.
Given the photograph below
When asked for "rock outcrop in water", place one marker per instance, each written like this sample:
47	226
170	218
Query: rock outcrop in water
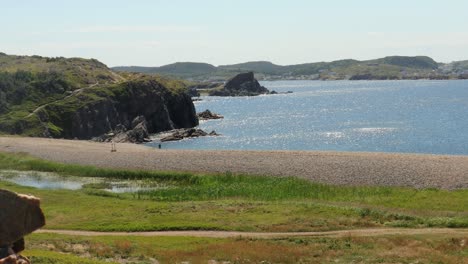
243	84
180	134
19	215
207	115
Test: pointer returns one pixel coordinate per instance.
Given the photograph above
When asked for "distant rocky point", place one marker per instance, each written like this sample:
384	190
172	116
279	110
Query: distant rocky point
179	134
391	67
243	84
207	115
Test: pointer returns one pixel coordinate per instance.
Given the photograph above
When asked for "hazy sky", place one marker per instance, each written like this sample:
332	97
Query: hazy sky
153	33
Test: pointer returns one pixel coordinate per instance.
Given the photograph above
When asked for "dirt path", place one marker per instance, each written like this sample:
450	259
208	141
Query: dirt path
228	234
75	92
342	168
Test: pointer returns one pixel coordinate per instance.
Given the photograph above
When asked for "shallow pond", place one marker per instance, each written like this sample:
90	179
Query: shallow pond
52	181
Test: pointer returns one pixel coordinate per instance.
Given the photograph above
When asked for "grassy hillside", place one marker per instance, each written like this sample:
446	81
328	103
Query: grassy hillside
460	65
255	66
77	72
29	82
183	69
38	95
392	67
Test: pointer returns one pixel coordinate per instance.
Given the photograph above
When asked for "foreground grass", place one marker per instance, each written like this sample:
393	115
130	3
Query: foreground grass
233	202
47	248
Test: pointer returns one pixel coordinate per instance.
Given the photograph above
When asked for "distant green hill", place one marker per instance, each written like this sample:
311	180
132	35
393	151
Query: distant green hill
77	72
180	68
392	67
419	62
460	66
255	66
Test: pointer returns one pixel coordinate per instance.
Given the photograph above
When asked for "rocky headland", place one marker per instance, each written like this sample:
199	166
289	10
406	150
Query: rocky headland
126	112
208	115
39	98
243	84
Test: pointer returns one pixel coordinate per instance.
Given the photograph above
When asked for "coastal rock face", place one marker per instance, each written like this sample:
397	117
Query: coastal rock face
137	134
19	215
193	92
243	84
128	111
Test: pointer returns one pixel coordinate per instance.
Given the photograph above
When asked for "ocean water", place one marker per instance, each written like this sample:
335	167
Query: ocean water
377	116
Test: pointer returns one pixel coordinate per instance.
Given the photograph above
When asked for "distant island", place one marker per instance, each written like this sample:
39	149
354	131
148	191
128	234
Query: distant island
388	68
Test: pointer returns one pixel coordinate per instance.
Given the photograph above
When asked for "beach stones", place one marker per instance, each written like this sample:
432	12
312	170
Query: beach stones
19	215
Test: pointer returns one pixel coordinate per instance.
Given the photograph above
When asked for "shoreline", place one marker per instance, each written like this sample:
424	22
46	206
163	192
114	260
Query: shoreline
329	167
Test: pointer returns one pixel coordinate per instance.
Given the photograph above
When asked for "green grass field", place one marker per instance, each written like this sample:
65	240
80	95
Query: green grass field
241	203
235	202
46	248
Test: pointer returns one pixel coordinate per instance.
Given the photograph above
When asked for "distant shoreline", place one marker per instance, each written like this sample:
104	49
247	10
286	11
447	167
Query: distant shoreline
387	68
340	168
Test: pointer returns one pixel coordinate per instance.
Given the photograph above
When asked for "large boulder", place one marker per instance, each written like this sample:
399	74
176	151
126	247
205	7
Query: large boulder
19	215
243	84
139	132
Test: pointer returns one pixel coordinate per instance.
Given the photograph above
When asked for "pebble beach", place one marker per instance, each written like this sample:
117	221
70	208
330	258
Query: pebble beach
338	168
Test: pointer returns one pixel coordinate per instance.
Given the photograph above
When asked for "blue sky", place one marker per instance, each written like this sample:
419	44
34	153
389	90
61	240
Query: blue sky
153	33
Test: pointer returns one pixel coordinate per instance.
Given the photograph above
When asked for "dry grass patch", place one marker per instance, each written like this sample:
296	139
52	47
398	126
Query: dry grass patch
379	249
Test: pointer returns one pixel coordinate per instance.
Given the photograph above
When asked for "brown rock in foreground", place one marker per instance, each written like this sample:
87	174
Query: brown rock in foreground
19	215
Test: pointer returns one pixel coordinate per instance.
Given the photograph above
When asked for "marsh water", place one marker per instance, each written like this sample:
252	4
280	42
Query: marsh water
378	116
52	181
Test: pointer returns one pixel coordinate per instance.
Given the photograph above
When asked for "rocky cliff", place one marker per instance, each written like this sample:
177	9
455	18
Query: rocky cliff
83	99
145	105
243	84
